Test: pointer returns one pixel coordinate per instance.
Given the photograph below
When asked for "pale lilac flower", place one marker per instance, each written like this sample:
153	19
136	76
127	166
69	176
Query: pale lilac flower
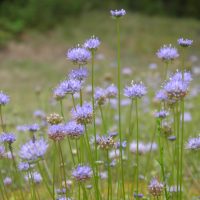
7	138
111	91
161	114
83	114
7	181
78	55
117	13
82	173
37	178
4	99
167	53
32	151
161	95
2	151
100	96
74	130
105	142
185	42
155	188
33	127
193	143
79	74
143	148
135	90
56	132
23	166
92	43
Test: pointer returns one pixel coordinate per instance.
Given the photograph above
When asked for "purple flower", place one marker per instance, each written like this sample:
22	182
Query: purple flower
22	128
39	114
82	173
56	132
2	151
78	55
70	86
193	143
161	114
111	91
7	138
155	187
74	130
7	181
79	74
136	90
37	178
92	43
59	93
167	53
23	166
100	96
117	13
83	114
33	127
178	76
123	144
4	99
161	95
32	151
185	42
105	142
142	147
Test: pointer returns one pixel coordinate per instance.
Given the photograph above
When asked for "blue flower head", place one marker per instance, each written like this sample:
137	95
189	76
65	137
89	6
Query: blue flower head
111	91
100	96
56	132
185	42
74	130
7	138
167	53
78	55
136	90
92	43
79	74
82	173
4	99
117	13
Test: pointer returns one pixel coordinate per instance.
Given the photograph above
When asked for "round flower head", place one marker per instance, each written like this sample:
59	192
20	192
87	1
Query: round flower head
100	96
79	74
37	178
161	114
82	173
193	143
119	144
63	198
7	138
176	89
161	95
23	166
105	142
7	181
83	114
4	99
155	188
78	55
74	130
56	132
167	53
185	42
33	127
40	114
178	76
70	86
54	118
92	43
117	13
136	90
111	91
59	93
32	151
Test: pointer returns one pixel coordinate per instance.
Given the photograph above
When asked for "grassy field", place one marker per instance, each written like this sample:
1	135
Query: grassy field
36	61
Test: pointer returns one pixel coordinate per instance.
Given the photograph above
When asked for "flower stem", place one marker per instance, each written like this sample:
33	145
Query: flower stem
1	116
103	120
119	102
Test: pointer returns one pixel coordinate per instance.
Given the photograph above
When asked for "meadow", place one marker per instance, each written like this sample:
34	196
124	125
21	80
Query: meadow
34	64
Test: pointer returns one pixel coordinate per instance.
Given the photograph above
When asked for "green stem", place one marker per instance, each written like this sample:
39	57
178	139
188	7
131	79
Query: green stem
103	120
61	109
109	197
54	170
1	116
119	102
166	70
4	188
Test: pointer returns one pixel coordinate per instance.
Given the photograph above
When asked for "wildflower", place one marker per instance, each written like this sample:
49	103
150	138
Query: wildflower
82	173
136	90
70	86
161	114
179	76
33	127
56	132
105	142
92	43
4	99
167	53
100	96
142	147
63	198
111	91
166	129
117	13
155	188
83	114
54	118
37	178
7	181
2	151
193	143
122	144
59	93
32	151
139	195
78	55
185	42
161	95
78	74
7	138
39	114
22	128
74	130
23	166
172	138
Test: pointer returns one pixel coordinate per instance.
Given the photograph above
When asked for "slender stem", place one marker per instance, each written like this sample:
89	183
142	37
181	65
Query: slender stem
61	109
119	102
81	97
54	170
32	183
1	116
137	153
63	167
109	197
103	120
4	188
166	70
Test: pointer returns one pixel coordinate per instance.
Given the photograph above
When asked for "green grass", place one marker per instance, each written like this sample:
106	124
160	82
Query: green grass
38	60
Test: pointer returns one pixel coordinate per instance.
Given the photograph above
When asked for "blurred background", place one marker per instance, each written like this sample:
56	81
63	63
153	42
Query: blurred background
35	35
